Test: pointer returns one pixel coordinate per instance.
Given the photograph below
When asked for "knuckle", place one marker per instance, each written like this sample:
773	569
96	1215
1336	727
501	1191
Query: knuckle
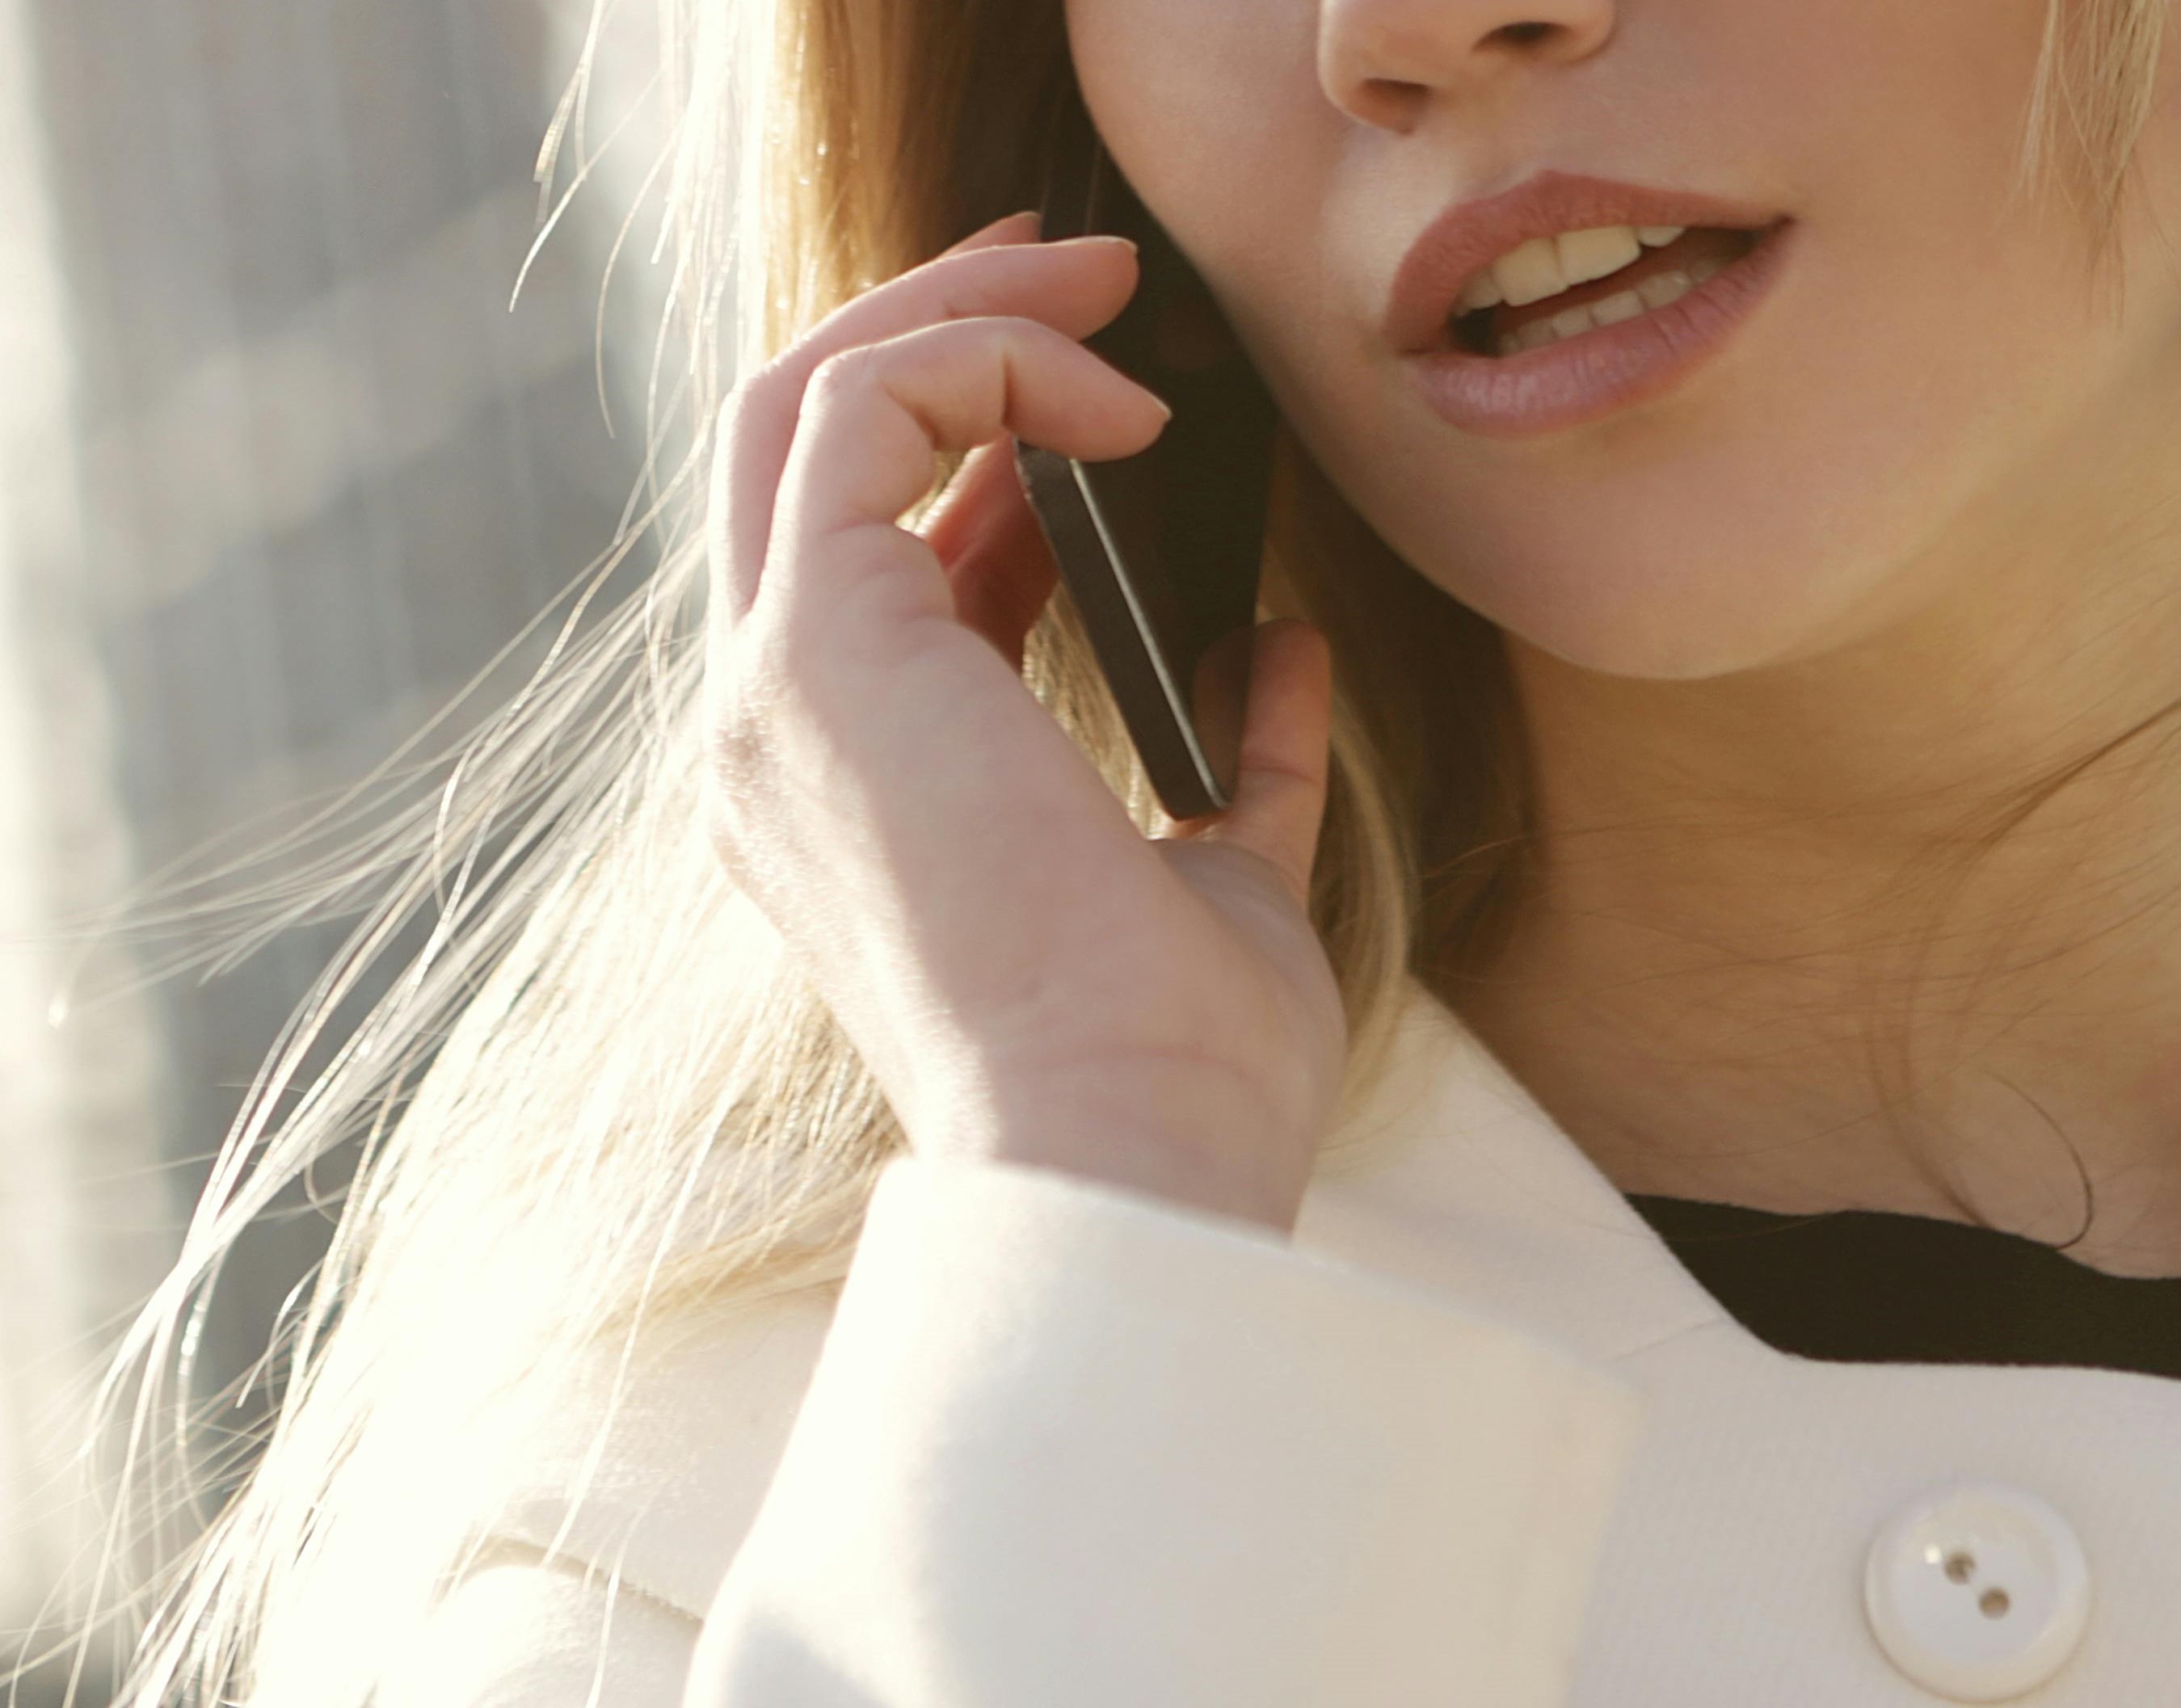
764	387
844	370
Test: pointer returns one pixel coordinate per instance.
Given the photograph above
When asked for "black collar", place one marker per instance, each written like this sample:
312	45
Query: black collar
1874	1286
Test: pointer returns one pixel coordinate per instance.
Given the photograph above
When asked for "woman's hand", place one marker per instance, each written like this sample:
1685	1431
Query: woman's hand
1028	976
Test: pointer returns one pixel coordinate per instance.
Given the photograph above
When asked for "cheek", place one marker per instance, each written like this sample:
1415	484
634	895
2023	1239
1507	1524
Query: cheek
1190	95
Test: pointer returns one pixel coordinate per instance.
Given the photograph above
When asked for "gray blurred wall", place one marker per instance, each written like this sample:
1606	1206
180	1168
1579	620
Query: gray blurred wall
279	471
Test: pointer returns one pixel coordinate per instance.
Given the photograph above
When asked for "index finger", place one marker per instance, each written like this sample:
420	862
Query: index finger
757	424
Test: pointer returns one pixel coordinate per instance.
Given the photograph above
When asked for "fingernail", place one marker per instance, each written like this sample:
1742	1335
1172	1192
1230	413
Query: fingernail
1099	237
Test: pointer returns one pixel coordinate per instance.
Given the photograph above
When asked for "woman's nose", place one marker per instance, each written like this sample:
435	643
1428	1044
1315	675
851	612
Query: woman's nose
1382	60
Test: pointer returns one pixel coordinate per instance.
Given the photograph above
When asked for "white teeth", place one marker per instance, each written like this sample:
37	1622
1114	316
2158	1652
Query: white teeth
1587	255
1622	305
1546	266
1530	272
1538	332
1655	292
1482	292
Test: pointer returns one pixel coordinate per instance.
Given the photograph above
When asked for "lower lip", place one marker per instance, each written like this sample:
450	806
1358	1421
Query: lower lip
1579	379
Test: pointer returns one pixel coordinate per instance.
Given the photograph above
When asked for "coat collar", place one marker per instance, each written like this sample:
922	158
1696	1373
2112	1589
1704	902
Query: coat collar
1454	1177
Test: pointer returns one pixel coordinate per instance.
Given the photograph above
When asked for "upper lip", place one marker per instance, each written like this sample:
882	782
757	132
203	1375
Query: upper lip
1470	236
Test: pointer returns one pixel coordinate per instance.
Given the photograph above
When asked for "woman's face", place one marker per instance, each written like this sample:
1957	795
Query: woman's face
1927	392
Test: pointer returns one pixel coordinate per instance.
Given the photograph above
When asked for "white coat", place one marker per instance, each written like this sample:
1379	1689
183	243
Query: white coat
1475	1436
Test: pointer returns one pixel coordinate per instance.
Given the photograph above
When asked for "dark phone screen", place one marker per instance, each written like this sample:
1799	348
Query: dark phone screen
1161	550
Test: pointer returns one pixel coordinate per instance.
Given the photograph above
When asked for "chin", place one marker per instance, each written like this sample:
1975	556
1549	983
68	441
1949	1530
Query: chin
1667	621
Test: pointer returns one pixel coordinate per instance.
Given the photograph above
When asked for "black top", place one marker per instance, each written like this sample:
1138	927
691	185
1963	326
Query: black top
1873	1286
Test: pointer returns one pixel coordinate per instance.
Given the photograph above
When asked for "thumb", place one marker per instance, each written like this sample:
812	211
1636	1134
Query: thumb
1280	783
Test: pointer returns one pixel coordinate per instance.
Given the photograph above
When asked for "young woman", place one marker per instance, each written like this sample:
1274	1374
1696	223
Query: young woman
891	1221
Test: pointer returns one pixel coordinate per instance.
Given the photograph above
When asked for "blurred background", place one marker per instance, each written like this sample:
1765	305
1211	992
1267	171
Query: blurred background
280	471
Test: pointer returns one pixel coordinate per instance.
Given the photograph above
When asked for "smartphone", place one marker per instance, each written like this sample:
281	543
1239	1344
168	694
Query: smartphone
1160	550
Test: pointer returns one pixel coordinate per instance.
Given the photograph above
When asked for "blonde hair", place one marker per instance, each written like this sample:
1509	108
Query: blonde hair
601	1095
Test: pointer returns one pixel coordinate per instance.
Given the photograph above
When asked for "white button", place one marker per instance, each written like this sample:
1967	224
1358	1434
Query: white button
1977	1591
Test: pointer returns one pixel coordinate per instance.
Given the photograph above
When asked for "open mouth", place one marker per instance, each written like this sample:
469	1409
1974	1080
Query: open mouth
1654	278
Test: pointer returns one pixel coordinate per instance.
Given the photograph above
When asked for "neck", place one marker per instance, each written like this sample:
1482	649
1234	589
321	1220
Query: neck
1892	924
